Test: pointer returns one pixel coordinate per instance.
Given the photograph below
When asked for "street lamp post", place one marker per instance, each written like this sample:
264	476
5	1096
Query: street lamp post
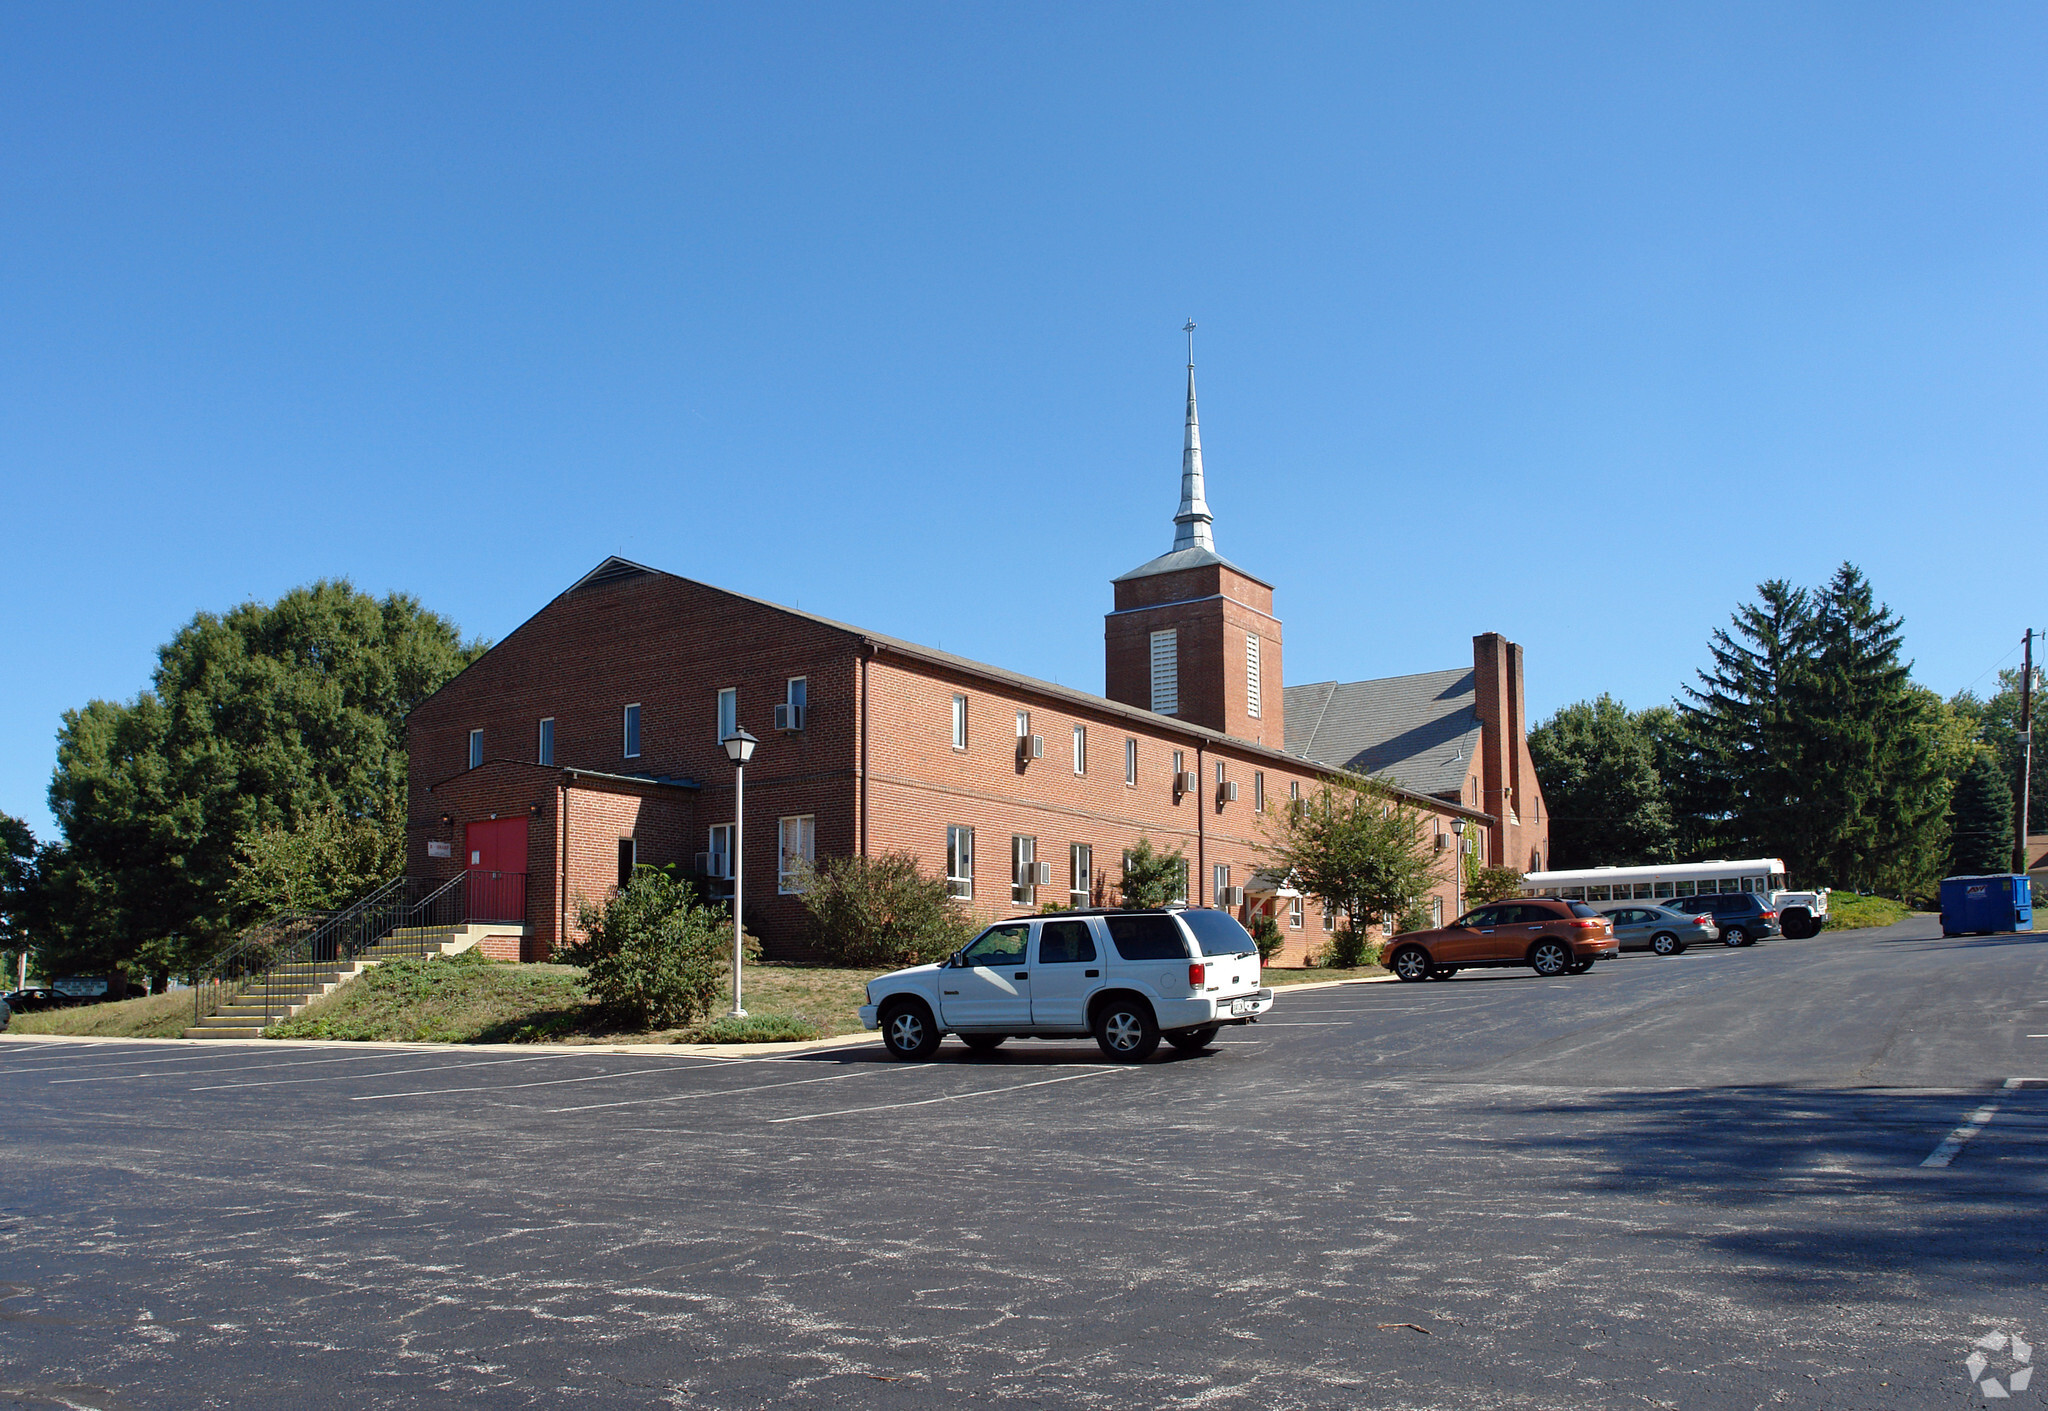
1458	868
739	748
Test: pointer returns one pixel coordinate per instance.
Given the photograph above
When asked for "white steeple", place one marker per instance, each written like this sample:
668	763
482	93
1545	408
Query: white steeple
1191	525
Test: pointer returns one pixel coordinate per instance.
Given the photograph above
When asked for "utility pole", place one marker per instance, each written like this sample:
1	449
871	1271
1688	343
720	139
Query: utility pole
2026	734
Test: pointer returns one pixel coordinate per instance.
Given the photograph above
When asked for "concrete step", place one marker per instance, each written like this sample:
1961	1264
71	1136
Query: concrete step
243	1033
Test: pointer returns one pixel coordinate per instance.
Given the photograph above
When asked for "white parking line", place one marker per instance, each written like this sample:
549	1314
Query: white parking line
719	1092
241	1068
394	1073
1300	1024
950	1097
512	1087
1942	1155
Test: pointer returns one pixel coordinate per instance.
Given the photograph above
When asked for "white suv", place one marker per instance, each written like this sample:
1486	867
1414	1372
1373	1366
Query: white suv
1127	977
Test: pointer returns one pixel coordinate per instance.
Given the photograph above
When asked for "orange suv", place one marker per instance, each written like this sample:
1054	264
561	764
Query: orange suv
1550	937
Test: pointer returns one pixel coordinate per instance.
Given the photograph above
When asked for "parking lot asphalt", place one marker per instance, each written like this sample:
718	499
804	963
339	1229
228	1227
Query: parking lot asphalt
1700	1181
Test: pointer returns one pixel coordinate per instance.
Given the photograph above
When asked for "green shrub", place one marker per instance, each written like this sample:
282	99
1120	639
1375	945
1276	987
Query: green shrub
1152	878
1416	917
653	955
757	1029
1349	949
882	911
1267	936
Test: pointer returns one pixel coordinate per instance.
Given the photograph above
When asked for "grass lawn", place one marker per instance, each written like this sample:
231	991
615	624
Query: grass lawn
1849	912
1274	976
164	1016
469	999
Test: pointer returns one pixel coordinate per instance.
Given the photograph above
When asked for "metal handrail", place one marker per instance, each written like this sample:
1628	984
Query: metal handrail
253	963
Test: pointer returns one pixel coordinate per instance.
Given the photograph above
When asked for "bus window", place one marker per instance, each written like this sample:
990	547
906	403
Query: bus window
1685	889
1642	891
1778	883
1596	893
1752	884
1574	893
1663	889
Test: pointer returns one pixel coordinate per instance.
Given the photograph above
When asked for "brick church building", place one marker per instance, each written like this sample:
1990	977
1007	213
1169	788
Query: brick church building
589	740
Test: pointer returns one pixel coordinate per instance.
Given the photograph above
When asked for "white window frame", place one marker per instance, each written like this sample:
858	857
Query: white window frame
804	828
1130	762
1251	674
1295	911
796	693
1436	911
476	748
1023	855
1080	749
1166	671
1023	724
1220	776
1258	791
1219	879
959	722
1080	874
1329	917
544	745
960	860
718	843
727	720
629	731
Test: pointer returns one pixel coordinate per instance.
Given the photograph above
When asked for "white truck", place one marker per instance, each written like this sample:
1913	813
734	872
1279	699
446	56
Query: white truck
1129	978
1801	914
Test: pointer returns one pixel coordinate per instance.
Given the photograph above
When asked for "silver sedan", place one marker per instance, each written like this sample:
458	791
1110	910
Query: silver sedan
1659	928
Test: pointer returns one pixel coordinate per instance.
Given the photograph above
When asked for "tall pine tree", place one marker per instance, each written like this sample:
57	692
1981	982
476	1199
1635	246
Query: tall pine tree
1980	831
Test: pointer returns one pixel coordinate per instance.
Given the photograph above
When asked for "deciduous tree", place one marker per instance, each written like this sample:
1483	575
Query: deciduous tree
1359	846
1598	766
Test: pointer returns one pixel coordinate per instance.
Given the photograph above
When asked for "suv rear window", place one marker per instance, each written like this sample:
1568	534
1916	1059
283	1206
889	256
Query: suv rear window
1147	938
1579	908
1217	933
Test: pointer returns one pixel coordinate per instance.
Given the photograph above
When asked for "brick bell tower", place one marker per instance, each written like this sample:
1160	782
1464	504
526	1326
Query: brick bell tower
1193	635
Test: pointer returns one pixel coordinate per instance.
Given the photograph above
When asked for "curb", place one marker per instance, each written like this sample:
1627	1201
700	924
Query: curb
401	1046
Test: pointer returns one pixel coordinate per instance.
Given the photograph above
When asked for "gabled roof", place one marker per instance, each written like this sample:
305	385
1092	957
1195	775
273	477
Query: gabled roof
616	569
1418	732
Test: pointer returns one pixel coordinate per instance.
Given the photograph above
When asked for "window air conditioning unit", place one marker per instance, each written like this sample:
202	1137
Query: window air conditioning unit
1031	747
1230	896
789	717
1297	808
1228	792
1443	840
1187	781
1041	871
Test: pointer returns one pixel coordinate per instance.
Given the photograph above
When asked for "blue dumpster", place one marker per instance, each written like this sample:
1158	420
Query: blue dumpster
1984	905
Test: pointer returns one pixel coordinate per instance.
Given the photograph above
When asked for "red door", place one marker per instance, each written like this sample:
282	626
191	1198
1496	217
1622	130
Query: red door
497	869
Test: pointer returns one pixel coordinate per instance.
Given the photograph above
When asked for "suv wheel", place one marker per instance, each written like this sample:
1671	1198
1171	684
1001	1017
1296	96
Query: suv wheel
1126	1030
1734	936
908	1031
983	1043
1664	943
1548	957
1410	963
1193	1040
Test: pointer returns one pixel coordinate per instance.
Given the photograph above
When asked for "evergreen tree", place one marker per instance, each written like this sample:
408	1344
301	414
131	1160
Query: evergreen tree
1980	827
1874	791
1742	782
1152	878
1999	720
1597	764
257	719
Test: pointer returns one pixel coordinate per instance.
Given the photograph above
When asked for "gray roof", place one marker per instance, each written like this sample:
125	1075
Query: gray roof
1419	732
1178	559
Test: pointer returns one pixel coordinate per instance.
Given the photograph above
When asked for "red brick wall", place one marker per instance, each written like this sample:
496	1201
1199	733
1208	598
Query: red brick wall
1507	775
1213	610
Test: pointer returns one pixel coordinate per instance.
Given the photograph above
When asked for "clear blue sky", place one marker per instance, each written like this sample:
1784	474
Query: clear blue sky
1572	322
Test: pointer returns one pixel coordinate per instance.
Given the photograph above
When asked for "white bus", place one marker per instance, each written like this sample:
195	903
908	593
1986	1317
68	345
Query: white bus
1765	875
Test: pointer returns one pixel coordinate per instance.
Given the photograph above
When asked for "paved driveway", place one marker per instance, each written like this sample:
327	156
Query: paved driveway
1688	1182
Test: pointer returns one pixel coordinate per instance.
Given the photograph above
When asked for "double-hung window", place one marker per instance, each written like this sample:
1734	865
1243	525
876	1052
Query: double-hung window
1023	723
796	699
728	713
1081	868
544	752
959	722
1080	749
960	861
1023	867
718	852
1220	879
797	846
476	749
1294	910
631	732
1131	762
1329	917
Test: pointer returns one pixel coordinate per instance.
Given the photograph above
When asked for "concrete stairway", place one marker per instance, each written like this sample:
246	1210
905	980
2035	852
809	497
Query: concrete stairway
292	987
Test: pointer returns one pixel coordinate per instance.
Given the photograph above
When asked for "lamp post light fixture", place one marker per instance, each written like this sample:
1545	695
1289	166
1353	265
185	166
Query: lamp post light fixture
1458	867
739	748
